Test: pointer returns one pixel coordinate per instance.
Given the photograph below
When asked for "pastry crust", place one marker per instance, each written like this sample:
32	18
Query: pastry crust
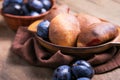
96	34
64	30
56	10
85	20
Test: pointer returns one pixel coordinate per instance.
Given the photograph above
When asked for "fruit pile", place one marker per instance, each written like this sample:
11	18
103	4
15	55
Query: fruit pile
29	8
80	70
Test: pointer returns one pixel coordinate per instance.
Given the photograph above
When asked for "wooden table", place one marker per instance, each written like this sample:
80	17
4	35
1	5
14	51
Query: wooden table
14	68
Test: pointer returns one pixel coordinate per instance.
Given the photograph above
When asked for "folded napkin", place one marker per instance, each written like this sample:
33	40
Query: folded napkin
26	46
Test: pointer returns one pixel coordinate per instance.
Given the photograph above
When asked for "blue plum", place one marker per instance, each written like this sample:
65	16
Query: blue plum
7	2
43	10
42	29
82	71
16	1
83	78
47	4
34	13
62	73
35	5
14	8
25	9
82	62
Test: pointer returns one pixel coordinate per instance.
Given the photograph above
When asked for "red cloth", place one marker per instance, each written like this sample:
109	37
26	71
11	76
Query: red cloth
26	46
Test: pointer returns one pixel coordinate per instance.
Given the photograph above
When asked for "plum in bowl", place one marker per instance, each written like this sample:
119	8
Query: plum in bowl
23	12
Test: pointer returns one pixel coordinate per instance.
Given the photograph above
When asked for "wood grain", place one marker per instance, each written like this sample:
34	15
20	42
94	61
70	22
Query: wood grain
13	67
107	9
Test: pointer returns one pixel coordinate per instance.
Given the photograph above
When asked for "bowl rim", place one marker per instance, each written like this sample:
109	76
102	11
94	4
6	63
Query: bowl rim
27	17
50	43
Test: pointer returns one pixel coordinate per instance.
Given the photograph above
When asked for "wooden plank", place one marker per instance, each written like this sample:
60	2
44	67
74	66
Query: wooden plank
107	9
13	67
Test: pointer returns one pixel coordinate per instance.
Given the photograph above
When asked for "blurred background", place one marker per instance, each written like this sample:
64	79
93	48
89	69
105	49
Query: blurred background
107	9
13	67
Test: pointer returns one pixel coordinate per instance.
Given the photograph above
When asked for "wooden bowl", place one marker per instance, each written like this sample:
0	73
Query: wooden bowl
15	21
79	51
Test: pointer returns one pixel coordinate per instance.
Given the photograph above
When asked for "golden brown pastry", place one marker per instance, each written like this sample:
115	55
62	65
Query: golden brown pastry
96	34
33	26
64	30
57	10
85	20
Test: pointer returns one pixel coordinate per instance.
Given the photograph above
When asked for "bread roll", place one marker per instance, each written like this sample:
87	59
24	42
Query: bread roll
96	34
64	30
85	20
57	10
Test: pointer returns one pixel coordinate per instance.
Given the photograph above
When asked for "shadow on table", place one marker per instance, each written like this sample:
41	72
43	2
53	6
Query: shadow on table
33	72
16	60
5	32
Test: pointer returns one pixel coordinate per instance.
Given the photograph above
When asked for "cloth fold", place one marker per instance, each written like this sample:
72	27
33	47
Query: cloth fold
26	46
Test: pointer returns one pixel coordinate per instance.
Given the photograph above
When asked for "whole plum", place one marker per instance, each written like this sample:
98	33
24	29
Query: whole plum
83	78
62	73
81	70
14	8
42	29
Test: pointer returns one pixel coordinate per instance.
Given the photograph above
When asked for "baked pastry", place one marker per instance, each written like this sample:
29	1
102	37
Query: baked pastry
64	30
57	10
33	27
85	20
96	34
